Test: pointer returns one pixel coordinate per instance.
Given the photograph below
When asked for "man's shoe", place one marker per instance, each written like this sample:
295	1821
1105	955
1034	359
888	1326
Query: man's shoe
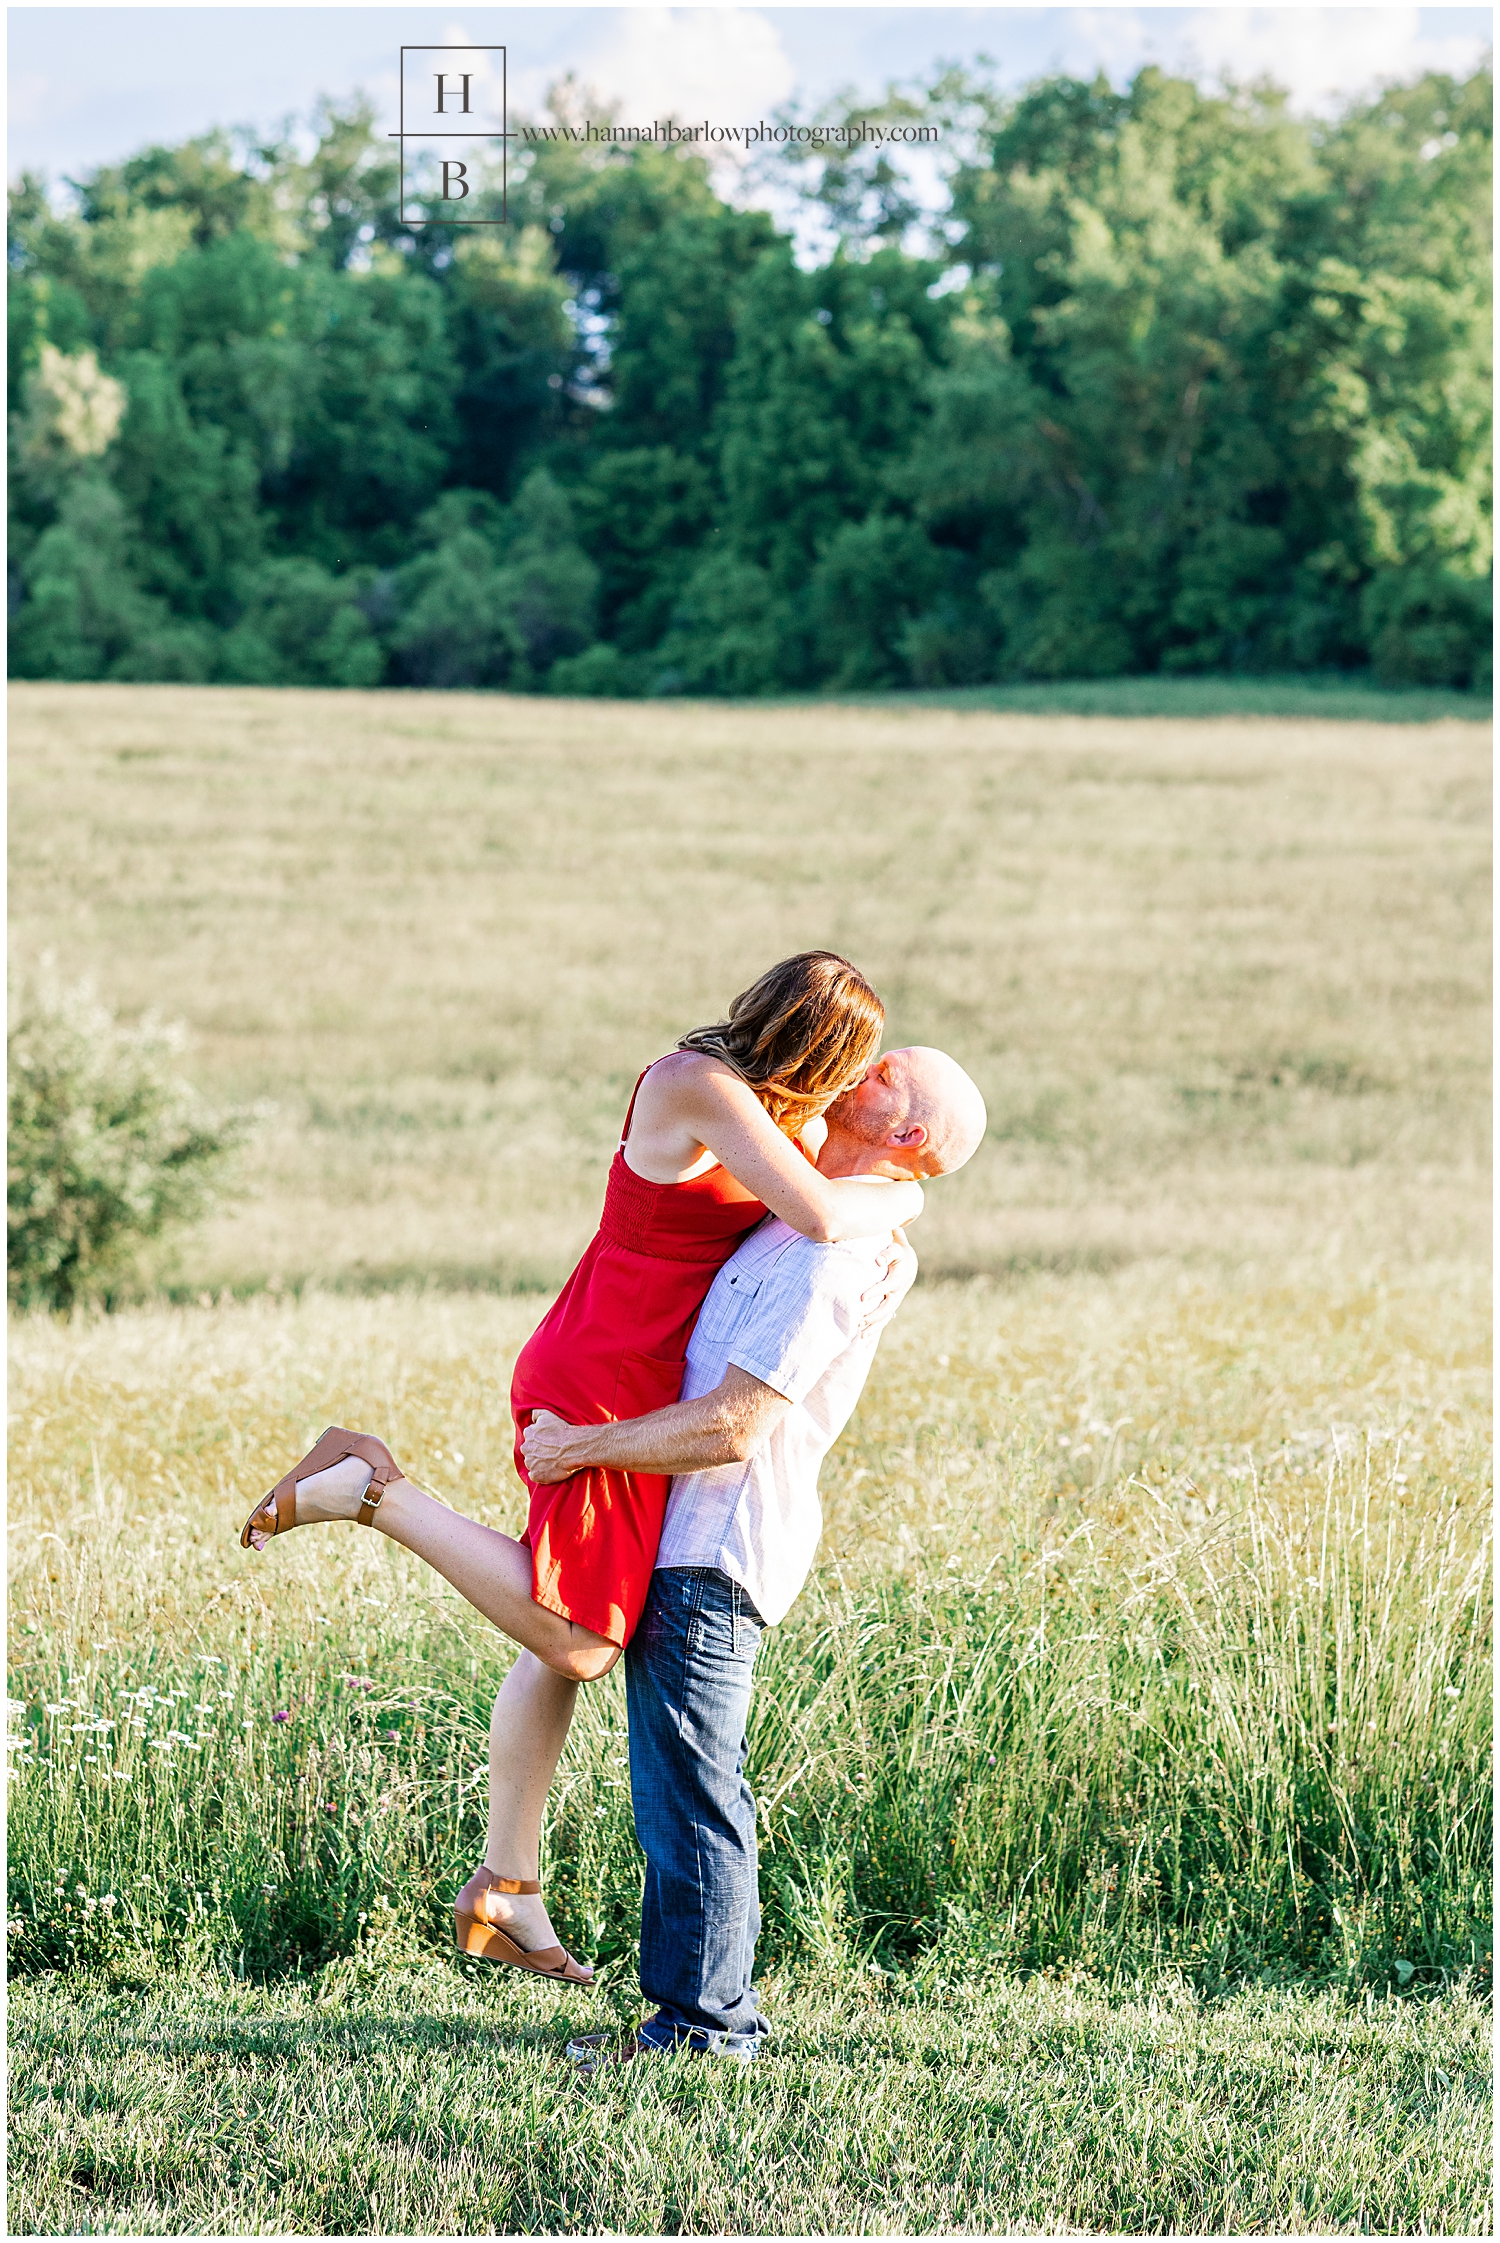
595	2052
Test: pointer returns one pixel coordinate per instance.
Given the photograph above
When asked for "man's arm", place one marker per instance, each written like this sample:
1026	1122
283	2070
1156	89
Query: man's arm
724	1427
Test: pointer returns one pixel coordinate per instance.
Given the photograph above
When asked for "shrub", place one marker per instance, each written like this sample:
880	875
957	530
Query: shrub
547	601
170	654
1428	625
728	632
1058	611
947	646
549	588
601	673
109	1146
452	632
503	596
301	626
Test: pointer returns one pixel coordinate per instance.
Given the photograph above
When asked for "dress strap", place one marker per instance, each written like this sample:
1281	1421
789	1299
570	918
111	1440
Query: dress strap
630	1109
645	1071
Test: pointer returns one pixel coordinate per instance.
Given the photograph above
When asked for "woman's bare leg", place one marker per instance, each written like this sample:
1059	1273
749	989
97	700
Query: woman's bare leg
491	1570
494	1572
534	1705
528	1730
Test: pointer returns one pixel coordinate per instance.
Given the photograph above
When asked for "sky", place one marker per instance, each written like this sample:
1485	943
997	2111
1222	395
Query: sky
89	85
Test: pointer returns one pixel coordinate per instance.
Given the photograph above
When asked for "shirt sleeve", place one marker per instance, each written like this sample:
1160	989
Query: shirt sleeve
806	1313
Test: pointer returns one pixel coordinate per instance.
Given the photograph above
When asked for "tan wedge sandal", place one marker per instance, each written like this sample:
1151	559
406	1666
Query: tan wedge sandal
330	1448
476	1935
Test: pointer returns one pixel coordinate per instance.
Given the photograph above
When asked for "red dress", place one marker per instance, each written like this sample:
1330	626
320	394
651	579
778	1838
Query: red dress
613	1345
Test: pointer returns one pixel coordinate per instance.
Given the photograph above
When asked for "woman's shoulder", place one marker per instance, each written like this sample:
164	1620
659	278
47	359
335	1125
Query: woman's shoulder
686	1074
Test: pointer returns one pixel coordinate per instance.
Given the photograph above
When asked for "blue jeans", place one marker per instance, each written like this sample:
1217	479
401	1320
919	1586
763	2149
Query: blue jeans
687	1685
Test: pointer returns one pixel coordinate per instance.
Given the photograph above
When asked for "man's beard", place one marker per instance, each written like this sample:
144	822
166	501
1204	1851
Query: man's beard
849	1118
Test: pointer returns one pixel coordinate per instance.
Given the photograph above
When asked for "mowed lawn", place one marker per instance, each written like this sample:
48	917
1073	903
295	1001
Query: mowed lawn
1123	1766
407	2102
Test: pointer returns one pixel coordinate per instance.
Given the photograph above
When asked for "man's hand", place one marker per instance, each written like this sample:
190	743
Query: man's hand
543	1444
724	1427
876	1295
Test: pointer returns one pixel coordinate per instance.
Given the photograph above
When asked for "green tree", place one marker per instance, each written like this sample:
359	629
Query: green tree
192	493
730	631
344	194
677	328
1237	371
1194	384
452	630
548	586
872	581
827	389
219	183
300	626
643	516
501	594
505	308
83	608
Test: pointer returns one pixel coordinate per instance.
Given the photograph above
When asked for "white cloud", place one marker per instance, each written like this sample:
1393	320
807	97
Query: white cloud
1321	55
725	64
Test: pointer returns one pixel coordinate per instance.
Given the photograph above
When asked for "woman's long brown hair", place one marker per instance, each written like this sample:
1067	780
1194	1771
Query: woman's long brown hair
801	1035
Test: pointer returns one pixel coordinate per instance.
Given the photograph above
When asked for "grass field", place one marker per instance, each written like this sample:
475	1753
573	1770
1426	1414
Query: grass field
1123	1770
1222	983
1340	695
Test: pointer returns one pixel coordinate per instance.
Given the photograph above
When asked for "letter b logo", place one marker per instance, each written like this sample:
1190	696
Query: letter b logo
452	136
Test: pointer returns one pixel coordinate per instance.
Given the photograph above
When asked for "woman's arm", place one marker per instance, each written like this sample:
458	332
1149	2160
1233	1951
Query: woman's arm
689	1100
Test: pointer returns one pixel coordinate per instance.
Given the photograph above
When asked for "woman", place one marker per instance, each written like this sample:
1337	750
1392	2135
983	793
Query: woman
716	1134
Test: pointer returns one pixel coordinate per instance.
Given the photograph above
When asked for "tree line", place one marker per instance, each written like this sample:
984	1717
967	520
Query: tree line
1177	382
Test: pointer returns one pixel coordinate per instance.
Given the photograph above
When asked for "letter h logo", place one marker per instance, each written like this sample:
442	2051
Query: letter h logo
453	136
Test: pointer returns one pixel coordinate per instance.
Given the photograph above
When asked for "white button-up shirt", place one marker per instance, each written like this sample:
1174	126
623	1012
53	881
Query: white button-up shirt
789	1312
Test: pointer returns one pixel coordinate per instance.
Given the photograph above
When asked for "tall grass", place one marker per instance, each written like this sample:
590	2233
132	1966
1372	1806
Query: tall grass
1222	1706
1254	1747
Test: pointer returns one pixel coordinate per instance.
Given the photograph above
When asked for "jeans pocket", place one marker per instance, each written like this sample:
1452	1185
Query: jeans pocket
687	1609
746	1624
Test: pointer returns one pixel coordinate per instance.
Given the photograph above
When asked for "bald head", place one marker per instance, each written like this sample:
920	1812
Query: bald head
915	1113
946	1102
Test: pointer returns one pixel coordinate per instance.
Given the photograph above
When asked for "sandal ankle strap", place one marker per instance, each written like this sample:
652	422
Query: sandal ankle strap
380	1478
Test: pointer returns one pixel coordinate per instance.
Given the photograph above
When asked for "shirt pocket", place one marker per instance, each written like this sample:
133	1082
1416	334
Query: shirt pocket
728	1304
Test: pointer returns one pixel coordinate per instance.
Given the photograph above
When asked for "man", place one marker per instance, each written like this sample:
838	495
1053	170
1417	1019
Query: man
775	1366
